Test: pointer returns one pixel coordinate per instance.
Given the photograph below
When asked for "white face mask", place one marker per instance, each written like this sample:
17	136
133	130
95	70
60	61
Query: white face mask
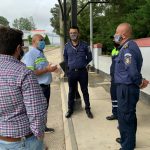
117	39
73	36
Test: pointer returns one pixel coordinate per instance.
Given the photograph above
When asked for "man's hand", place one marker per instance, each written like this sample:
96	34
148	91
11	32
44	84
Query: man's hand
51	68
144	84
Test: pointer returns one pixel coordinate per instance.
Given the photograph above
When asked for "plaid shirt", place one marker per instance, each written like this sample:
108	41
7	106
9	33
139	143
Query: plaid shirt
22	103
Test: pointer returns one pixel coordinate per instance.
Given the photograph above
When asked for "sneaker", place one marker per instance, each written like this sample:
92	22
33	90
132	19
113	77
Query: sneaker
51	130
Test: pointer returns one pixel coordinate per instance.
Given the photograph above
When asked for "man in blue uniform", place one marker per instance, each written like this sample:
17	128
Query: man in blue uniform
77	55
113	86
129	81
35	60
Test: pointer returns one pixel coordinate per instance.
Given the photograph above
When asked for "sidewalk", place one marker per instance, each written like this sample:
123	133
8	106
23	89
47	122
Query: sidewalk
82	133
56	140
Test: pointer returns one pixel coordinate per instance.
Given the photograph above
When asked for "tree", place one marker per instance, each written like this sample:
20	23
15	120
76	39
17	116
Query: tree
47	41
55	11
106	18
30	39
24	24
4	21
55	19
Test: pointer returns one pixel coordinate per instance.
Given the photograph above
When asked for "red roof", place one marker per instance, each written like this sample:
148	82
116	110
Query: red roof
144	42
98	45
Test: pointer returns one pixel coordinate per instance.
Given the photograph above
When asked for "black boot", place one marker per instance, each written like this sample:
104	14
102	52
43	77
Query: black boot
118	140
89	113
112	117
69	113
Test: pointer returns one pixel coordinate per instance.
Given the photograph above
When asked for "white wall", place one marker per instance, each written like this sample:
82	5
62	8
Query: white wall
104	63
146	65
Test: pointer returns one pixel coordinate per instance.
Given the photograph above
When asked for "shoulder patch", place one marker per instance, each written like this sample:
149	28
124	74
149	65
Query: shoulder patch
89	49
127	58
126	46
66	44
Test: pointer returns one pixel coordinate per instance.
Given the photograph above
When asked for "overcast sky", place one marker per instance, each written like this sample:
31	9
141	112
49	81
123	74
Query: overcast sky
38	9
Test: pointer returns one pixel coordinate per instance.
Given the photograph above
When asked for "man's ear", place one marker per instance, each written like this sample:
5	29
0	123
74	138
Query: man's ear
18	49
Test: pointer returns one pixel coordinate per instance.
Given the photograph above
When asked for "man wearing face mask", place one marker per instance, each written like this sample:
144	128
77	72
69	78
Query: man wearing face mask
77	55
23	106
35	60
129	80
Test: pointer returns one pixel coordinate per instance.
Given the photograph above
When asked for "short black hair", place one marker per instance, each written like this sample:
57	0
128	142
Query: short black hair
9	40
75	27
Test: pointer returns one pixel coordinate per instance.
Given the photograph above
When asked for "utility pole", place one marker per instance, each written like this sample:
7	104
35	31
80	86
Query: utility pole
61	32
73	12
91	29
74	23
65	22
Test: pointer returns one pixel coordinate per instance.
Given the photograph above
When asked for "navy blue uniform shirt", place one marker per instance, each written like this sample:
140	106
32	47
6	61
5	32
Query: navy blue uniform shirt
77	57
114	54
128	64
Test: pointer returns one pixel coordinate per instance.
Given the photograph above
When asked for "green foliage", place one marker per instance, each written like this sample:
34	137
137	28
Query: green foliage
55	20
106	18
24	24
47	41
30	39
4	21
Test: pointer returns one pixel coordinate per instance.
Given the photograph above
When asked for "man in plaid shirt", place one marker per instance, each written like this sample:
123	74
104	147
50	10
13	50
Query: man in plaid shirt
23	107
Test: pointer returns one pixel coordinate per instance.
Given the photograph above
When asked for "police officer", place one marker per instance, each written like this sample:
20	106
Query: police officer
77	55
35	60
129	81
113	86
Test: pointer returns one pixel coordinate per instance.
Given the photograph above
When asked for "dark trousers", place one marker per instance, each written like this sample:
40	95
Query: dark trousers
74	77
113	94
128	96
46	91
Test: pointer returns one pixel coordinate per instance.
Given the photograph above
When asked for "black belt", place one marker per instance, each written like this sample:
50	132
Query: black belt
44	85
79	69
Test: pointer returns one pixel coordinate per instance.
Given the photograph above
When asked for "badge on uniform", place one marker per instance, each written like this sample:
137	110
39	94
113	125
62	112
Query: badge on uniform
127	58
125	46
89	49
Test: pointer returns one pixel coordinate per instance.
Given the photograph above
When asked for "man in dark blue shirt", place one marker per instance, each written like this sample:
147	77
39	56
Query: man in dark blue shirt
77	56
129	81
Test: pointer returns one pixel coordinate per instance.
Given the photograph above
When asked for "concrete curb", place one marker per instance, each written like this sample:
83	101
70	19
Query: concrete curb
70	138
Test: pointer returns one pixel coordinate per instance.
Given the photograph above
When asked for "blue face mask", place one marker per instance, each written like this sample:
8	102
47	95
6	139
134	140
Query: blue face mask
41	45
117	39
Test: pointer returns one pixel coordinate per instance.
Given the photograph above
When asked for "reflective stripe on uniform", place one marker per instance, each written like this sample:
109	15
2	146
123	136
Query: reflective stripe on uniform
114	52
114	106
114	101
39	60
30	67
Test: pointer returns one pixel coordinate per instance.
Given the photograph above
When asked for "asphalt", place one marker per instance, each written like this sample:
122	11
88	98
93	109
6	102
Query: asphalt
81	133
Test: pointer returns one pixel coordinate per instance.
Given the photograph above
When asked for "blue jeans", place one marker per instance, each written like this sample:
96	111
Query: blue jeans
31	143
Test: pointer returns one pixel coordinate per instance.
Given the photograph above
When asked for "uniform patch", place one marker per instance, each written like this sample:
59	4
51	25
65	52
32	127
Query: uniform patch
89	49
127	58
125	46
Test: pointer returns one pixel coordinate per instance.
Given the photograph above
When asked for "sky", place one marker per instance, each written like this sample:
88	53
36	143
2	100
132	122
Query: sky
38	9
